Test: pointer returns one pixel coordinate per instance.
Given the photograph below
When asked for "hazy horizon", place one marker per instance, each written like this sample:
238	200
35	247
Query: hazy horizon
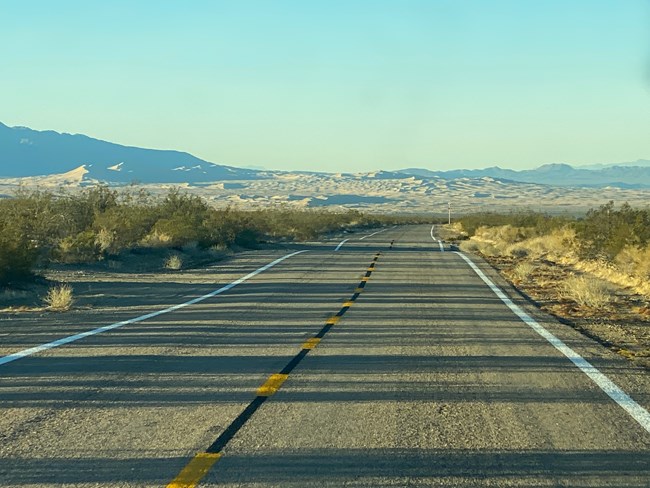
338	86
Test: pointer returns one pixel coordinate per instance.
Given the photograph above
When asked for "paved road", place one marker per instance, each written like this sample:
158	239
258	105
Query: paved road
427	379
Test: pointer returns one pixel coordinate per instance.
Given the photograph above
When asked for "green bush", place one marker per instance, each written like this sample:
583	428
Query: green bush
123	227
537	223
80	248
17	258
39	227
606	231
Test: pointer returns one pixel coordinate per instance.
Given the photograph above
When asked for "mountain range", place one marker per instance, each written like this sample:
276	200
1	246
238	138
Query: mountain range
625	175
25	152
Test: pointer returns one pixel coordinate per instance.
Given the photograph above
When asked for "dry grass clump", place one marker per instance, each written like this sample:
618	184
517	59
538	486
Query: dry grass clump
634	261
587	291
518	251
174	262
59	298
469	246
455	231
522	271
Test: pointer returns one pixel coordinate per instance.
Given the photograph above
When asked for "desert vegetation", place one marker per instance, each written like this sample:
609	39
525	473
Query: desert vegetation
99	223
59	298
592	270
609	243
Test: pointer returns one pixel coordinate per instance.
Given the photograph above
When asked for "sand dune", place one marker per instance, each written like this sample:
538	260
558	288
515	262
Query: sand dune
379	191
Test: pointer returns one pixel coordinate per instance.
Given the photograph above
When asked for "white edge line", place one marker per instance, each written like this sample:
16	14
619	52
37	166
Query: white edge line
66	340
442	247
340	244
374	233
636	411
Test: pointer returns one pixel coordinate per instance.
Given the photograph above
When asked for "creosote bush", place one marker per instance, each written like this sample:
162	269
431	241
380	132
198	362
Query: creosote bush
99	223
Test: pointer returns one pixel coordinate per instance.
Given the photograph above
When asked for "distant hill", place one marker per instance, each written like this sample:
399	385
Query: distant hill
620	176
638	162
27	152
79	159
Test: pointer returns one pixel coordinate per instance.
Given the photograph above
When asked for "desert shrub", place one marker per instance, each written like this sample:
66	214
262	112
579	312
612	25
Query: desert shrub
59	298
79	248
606	231
80	209
634	261
18	257
123	227
178	231
469	246
174	262
156	239
518	251
34	218
181	218
535	223
20	249
530	223
97	223
587	291
522	271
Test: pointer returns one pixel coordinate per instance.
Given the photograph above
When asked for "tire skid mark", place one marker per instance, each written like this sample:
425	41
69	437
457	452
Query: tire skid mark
201	463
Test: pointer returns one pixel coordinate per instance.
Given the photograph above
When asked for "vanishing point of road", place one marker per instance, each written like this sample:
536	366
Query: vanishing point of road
372	365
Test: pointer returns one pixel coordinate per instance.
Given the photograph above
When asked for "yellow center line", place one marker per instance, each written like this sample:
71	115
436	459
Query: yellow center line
272	385
195	470
311	343
201	463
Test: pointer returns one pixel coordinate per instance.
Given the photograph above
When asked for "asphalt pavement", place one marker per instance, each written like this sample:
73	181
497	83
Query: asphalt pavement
374	365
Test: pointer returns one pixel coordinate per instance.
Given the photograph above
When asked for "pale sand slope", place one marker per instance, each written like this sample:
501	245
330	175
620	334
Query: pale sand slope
374	192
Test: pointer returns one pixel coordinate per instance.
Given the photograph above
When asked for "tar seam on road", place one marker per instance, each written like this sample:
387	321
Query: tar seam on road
442	248
67	340
636	411
202	462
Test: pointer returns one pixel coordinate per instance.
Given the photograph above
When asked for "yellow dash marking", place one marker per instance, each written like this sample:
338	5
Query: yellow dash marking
358	290
349	303
195	470
371	269
333	320
365	278
272	385
311	343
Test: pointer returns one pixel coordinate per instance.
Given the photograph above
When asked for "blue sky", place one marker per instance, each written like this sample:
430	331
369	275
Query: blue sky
337	85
